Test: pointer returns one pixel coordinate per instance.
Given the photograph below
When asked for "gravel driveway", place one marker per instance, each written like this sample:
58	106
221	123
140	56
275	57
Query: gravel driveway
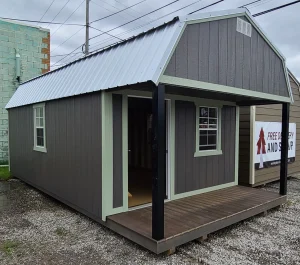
35	229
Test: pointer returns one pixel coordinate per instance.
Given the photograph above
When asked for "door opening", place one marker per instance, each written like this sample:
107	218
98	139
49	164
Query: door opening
139	151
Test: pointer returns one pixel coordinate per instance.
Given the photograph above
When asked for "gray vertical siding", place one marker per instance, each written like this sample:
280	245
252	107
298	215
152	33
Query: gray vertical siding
215	52
71	169
267	113
117	152
193	173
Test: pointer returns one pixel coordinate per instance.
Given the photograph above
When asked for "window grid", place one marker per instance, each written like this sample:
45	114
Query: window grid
208	128
39	127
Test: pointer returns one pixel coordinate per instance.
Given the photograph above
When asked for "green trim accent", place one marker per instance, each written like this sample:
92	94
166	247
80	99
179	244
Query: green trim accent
203	20
172	151
207	153
183	82
162	71
196	192
125	151
107	154
218	151
251	148
237	136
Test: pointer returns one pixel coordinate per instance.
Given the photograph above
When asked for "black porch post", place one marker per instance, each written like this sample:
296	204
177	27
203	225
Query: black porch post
284	147
158	161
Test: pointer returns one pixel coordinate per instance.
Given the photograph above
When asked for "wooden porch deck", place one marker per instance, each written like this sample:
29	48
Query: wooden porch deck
192	217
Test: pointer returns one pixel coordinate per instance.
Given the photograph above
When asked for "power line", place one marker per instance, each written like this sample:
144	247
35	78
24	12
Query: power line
68	39
250	3
106	33
42	22
59	12
67	18
93	22
135	19
117	11
155	20
206	6
46	11
275	8
139	27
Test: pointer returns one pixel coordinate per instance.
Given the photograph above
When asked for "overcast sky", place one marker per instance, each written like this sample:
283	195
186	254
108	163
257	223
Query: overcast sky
282	26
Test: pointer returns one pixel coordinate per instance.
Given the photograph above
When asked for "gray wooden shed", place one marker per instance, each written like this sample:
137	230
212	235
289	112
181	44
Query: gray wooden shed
143	136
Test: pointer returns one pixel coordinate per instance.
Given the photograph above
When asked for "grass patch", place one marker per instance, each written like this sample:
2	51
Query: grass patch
4	173
61	231
9	246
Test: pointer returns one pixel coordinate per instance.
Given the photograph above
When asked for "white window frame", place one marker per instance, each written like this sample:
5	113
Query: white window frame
218	150
37	147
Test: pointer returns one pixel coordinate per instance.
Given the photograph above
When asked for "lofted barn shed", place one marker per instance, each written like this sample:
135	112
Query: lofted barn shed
143	136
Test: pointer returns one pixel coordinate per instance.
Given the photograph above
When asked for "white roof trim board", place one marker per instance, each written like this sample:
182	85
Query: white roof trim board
136	60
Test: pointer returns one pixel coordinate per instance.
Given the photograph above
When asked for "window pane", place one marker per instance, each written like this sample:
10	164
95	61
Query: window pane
212	139
37	112
40	141
203	148
203	112
41	112
40	132
203	123
41	122
37	122
203	140
212	112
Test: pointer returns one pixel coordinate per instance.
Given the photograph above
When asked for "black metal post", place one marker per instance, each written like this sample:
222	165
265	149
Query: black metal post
158	161
284	147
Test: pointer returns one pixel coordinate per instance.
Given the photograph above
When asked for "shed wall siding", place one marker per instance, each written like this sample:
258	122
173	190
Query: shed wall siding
244	145
193	173
272	113
71	169
215	52
117	152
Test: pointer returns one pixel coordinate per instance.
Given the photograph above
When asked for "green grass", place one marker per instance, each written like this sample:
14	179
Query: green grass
8	246
4	173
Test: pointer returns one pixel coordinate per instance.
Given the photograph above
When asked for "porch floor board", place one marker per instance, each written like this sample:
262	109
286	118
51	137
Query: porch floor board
192	217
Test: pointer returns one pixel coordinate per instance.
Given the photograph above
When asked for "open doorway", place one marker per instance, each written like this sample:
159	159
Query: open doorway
139	151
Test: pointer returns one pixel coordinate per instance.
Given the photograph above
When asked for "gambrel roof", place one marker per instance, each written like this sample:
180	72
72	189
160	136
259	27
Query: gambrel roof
139	59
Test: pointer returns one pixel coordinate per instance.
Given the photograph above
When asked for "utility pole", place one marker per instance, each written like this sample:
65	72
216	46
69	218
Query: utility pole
87	24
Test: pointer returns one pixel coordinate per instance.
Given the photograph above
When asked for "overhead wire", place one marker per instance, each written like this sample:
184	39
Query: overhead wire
97	21
41	22
116	28
123	33
171	3
59	12
68	18
46	11
275	8
117	12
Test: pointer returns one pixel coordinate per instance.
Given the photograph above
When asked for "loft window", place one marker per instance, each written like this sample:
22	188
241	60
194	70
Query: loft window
208	128
39	128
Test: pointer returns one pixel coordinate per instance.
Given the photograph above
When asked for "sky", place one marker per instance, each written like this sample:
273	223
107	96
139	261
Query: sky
281	26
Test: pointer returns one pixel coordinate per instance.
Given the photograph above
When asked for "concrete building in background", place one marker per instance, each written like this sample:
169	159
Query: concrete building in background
24	54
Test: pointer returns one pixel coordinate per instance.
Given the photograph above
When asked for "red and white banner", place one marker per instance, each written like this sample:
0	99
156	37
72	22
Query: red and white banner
267	144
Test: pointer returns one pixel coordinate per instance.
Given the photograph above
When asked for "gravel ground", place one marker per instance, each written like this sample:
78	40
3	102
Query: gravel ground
35	229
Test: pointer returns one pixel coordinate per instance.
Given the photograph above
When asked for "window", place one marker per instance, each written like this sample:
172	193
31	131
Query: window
208	141
39	128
